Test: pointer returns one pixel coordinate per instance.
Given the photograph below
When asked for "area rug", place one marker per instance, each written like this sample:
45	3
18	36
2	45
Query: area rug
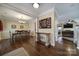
18	52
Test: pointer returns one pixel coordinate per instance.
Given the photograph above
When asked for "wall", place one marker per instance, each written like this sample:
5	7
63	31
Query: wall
1	32
49	13
7	27
32	27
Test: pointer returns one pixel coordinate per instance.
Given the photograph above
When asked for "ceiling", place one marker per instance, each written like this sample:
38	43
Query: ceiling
67	11
63	10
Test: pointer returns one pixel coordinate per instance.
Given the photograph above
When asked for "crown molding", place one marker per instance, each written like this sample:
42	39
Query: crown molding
17	10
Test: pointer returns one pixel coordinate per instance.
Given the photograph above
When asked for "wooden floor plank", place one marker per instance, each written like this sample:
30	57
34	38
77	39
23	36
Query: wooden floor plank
36	49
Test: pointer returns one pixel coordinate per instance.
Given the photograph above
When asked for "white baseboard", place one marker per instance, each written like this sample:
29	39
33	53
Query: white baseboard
52	44
77	47
46	44
4	38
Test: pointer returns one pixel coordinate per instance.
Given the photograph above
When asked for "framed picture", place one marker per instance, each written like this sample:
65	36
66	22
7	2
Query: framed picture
13	26
21	26
45	23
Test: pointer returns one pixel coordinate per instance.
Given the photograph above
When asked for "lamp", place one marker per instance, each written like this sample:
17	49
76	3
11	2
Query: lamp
36	5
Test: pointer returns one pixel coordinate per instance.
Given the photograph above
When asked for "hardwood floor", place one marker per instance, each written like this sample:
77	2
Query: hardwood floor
67	48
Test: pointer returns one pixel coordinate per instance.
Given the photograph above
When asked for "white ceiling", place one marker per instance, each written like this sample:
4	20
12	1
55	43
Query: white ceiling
63	10
68	10
28	9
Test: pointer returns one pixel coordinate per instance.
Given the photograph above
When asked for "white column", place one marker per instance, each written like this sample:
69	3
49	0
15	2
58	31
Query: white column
36	29
0	35
75	30
52	40
77	39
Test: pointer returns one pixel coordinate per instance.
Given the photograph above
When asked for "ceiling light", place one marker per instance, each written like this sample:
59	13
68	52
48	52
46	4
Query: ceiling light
35	5
21	21
23	17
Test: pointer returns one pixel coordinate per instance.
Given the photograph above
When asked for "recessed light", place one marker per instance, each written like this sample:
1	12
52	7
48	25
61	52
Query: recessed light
36	5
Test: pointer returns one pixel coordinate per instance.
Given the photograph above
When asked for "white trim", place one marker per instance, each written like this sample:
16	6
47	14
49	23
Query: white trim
77	47
52	44
11	7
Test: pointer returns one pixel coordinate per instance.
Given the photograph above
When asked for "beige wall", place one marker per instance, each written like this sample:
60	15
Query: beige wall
32	27
7	27
1	32
49	13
